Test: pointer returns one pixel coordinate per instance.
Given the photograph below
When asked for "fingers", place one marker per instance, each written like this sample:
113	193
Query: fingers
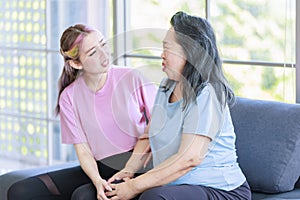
115	198
101	196
113	186
126	179
114	178
111	196
105	185
112	193
120	176
101	186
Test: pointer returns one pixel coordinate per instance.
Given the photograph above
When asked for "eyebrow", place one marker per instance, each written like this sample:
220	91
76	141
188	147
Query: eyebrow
100	41
167	43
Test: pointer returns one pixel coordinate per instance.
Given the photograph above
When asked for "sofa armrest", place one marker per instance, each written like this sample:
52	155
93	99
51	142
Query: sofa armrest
7	179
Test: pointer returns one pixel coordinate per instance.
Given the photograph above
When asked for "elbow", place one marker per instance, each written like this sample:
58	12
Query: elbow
191	161
195	161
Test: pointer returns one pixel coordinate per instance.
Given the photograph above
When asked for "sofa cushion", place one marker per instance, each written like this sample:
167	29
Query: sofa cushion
268	143
292	195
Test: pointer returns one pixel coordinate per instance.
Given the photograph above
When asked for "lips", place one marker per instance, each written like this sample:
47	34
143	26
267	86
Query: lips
163	66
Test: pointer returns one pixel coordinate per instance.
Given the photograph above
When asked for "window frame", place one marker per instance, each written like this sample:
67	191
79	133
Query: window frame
121	26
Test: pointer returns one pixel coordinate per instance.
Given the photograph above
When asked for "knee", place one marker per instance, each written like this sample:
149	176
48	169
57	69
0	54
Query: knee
77	195
84	193
17	191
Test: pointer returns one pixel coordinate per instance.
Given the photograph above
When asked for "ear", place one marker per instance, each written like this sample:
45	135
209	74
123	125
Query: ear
75	64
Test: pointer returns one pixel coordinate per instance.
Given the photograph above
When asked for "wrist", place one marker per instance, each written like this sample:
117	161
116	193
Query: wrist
136	187
97	180
129	169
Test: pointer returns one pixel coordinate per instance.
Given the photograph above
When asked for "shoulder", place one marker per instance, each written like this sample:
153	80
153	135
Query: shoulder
207	91
166	84
207	99
68	92
163	83
207	96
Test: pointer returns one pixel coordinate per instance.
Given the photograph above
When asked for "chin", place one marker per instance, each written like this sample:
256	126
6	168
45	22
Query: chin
173	78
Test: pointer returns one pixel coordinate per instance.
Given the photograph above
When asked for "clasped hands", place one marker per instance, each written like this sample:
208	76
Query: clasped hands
121	186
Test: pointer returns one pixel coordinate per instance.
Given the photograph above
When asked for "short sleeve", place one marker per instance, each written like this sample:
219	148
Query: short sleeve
204	117
147	93
71	131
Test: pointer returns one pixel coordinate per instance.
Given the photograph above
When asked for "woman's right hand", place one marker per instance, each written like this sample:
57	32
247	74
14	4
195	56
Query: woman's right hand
102	186
121	175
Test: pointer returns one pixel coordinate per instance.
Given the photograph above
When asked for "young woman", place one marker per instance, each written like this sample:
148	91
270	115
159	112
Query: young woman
103	111
191	133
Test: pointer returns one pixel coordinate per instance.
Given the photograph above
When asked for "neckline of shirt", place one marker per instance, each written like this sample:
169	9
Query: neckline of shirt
103	89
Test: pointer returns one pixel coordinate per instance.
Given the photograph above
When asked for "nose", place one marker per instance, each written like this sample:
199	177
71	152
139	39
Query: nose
162	55
103	52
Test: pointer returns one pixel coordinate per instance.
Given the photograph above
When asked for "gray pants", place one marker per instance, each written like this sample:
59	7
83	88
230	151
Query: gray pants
196	192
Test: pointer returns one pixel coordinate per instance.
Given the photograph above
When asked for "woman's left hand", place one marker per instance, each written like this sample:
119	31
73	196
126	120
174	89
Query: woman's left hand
122	191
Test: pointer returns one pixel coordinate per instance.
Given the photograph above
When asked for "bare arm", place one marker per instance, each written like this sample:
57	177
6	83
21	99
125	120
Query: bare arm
190	154
89	166
137	160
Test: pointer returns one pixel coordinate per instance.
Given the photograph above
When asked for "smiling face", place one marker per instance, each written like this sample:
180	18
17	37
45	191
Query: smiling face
94	53
173	56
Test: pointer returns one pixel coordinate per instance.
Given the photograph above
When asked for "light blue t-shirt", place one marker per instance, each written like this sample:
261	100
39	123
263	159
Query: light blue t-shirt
219	169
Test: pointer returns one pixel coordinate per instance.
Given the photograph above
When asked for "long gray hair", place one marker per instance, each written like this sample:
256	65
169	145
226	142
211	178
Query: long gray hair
203	64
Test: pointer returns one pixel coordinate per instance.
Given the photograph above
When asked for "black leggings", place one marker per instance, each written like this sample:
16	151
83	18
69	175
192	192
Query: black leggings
65	182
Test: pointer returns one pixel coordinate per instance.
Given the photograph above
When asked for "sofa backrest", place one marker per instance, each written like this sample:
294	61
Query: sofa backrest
268	143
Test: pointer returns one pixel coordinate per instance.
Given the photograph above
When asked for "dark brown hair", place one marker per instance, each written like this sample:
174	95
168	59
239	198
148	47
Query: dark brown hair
70	42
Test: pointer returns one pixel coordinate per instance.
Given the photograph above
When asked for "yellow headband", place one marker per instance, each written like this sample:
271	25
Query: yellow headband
72	53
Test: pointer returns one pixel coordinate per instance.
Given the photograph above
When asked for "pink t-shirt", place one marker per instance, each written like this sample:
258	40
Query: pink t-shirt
111	119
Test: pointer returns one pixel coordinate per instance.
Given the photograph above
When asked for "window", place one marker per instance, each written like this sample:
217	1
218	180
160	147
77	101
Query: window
30	66
256	40
23	82
144	28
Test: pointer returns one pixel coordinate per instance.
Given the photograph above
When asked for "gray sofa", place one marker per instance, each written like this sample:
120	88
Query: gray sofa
268	149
